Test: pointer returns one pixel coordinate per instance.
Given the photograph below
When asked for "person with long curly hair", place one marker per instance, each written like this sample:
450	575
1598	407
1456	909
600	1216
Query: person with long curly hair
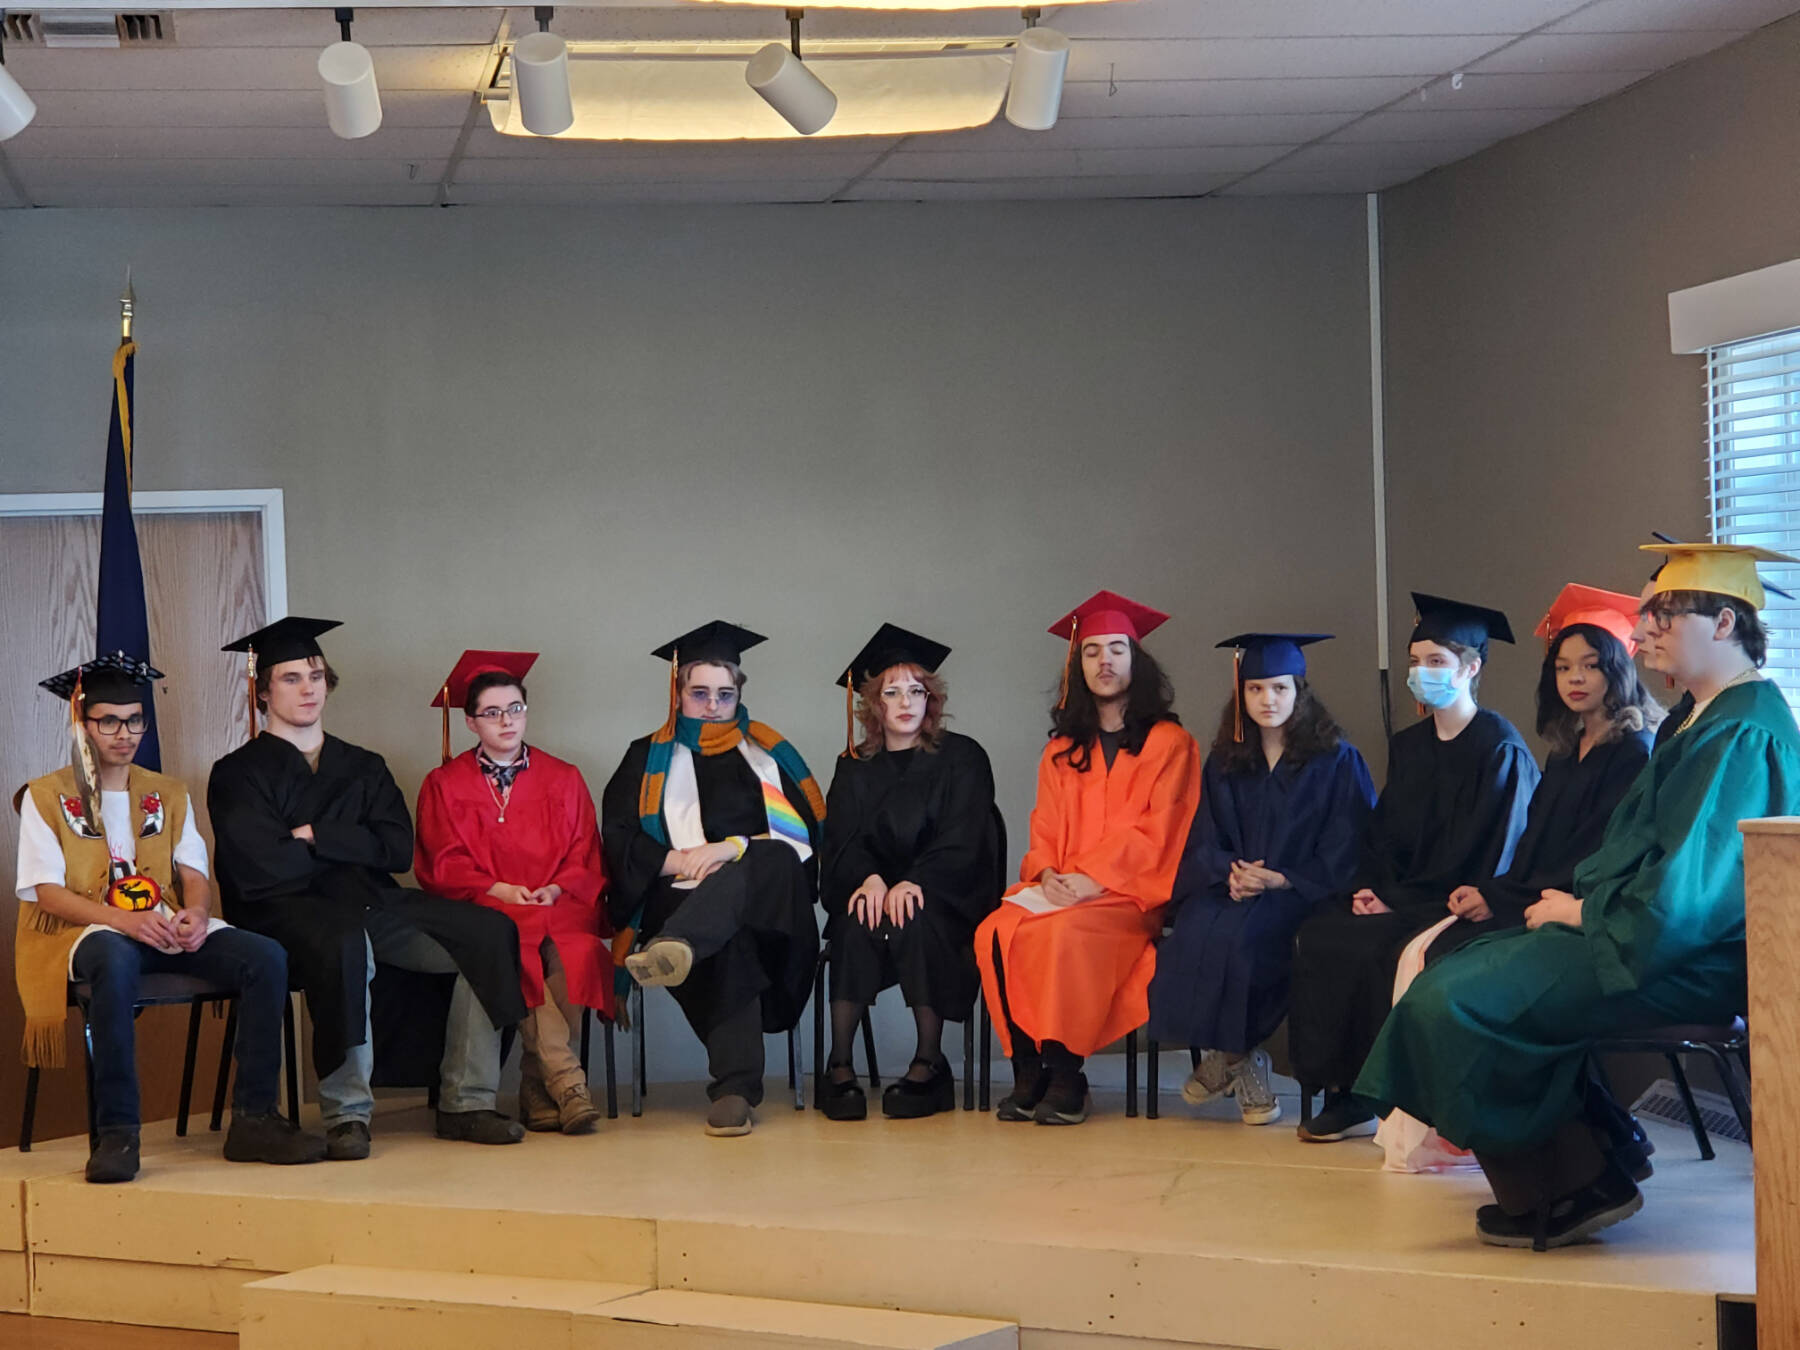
1284	799
1066	962
909	869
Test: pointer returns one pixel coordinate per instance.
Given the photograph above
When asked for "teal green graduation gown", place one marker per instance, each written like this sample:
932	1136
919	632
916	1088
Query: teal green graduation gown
1490	1046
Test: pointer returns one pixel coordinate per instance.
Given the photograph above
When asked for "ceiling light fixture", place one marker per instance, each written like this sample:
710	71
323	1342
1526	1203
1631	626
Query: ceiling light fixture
1040	61
781	78
909	6
16	107
540	78
352	102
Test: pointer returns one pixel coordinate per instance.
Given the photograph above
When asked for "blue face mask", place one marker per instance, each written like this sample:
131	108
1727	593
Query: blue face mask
1434	687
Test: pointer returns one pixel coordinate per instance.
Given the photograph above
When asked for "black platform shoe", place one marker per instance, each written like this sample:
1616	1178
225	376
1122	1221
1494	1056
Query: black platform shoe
844	1100
913	1099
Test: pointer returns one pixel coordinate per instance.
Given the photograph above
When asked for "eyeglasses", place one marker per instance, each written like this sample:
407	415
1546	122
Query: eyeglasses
721	698
136	724
1661	620
497	714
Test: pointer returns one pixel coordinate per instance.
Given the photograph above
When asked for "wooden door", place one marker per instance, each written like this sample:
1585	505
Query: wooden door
203	573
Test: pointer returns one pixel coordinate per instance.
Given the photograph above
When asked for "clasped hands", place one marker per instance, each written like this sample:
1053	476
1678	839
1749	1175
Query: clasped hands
875	900
507	893
170	936
1068	888
700	862
1252	878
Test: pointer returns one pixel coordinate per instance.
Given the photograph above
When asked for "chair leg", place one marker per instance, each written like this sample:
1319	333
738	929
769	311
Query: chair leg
187	1069
868	1033
796	1079
87	1067
587	1038
290	1044
969	1061
1693	1109
227	1046
639	1089
612	1072
987	1052
31	1087
1740	1105
819	1033
1131	1070
1152	1071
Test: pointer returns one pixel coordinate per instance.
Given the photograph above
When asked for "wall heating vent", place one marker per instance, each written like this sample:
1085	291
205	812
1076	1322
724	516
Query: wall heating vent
1663	1100
84	28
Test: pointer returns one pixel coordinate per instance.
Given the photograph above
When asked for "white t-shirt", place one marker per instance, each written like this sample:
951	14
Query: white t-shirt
41	856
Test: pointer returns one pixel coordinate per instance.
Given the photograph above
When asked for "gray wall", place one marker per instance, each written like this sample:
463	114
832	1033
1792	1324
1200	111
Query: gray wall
585	432
1539	427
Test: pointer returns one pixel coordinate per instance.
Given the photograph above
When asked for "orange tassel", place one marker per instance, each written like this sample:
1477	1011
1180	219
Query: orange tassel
849	714
1062	697
250	686
1237	683
1421	708
445	751
674	689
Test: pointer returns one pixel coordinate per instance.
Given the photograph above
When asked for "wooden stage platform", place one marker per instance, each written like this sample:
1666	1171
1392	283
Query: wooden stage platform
1122	1234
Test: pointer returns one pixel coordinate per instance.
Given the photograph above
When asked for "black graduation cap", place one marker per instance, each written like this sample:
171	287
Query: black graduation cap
1267	655
113	678
1659	535
1442	620
290	639
715	641
891	646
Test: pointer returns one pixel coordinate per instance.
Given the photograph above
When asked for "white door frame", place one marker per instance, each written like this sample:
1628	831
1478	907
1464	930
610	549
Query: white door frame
265	502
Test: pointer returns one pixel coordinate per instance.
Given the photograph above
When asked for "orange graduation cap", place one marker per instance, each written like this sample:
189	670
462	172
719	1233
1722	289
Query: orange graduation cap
1610	611
1104	614
454	691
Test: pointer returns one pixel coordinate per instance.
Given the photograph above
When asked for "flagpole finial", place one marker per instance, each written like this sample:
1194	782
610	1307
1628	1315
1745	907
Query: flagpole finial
127	302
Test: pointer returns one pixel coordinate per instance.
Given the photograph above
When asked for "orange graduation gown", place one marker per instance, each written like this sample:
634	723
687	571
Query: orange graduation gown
1081	975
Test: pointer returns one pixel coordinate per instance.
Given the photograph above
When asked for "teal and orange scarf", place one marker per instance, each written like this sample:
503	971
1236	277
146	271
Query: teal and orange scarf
717	738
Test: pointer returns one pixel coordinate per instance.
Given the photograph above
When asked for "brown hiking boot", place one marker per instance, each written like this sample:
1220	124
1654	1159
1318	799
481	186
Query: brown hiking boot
537	1109
576	1112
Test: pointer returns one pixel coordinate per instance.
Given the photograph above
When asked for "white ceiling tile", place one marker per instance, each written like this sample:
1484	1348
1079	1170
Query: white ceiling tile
673	167
730	23
1164	98
1467	125
1132	133
1316	182
8	198
1275	58
234	108
1522	91
1037	189
270	143
1308	18
316	28
486	143
1650	16
39	175
1000	164
250	68
601	194
1412	157
1555	53
95	194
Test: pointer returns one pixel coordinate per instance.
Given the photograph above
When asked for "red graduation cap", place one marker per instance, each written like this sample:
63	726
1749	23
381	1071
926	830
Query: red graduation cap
454	691
1107	613
1610	611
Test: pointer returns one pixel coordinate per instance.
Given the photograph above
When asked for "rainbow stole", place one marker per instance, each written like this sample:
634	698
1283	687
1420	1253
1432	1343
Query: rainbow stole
718	738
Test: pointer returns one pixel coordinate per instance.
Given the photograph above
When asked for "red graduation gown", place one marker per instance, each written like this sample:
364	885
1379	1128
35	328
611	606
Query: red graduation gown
1081	975
549	835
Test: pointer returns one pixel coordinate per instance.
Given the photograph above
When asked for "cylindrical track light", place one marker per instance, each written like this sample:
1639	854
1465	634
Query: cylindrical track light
352	102
1034	92
16	107
540	79
787	86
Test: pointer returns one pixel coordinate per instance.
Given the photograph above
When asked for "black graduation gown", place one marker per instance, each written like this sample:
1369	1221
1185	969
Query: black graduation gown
1451	813
313	899
921	816
1574	800
773	955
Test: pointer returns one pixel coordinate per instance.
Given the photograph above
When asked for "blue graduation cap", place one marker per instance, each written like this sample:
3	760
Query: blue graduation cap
1263	656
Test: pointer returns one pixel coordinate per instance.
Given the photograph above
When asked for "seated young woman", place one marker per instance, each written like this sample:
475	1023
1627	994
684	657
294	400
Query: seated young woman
1601	725
710	826
1284	799
1066	962
1458	785
1493	1048
909	869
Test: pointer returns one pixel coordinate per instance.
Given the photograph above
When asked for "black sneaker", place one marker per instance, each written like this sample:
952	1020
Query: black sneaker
1030	1082
115	1157
347	1141
1610	1199
916	1098
844	1099
269	1137
1343	1117
479	1127
1065	1100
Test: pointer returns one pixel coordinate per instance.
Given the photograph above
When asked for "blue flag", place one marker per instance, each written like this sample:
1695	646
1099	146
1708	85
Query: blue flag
123	624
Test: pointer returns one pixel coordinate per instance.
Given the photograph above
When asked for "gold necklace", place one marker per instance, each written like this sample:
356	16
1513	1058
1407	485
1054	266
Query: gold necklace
1751	674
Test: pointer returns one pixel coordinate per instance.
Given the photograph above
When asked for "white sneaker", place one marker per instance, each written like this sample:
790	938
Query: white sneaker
1250	1085
1210	1080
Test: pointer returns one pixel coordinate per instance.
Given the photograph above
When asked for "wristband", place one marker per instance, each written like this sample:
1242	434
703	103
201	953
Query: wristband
742	844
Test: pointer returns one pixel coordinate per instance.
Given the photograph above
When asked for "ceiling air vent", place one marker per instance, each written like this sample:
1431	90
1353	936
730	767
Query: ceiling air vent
86	28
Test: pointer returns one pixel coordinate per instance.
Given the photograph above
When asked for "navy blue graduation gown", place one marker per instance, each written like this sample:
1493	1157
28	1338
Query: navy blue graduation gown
1222	975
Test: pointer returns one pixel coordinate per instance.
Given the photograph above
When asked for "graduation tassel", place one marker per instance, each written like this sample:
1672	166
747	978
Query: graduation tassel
250	685
1237	707
849	714
674	690
445	751
1062	697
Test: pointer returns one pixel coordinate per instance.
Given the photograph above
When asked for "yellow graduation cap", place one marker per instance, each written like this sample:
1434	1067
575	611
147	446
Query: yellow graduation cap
1722	569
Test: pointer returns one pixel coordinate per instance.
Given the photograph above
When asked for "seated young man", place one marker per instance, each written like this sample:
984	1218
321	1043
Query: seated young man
1492	1047
310	831
511	827
113	878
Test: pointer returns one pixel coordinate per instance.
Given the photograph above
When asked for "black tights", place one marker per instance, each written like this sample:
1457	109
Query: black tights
847	1016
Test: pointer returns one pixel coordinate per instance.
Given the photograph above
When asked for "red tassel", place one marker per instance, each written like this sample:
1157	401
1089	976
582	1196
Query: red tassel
250	684
445	749
1237	683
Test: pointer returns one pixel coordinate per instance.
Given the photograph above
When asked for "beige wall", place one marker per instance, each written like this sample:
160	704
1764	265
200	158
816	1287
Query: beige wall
585	432
1539	427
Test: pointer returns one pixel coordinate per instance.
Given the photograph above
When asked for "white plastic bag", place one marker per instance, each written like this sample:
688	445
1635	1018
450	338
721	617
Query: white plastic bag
1411	1145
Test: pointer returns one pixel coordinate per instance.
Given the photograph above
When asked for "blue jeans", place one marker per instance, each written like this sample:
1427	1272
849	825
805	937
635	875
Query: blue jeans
469	1073
112	964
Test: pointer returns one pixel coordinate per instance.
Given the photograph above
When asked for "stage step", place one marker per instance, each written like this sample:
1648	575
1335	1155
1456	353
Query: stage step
371	1308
